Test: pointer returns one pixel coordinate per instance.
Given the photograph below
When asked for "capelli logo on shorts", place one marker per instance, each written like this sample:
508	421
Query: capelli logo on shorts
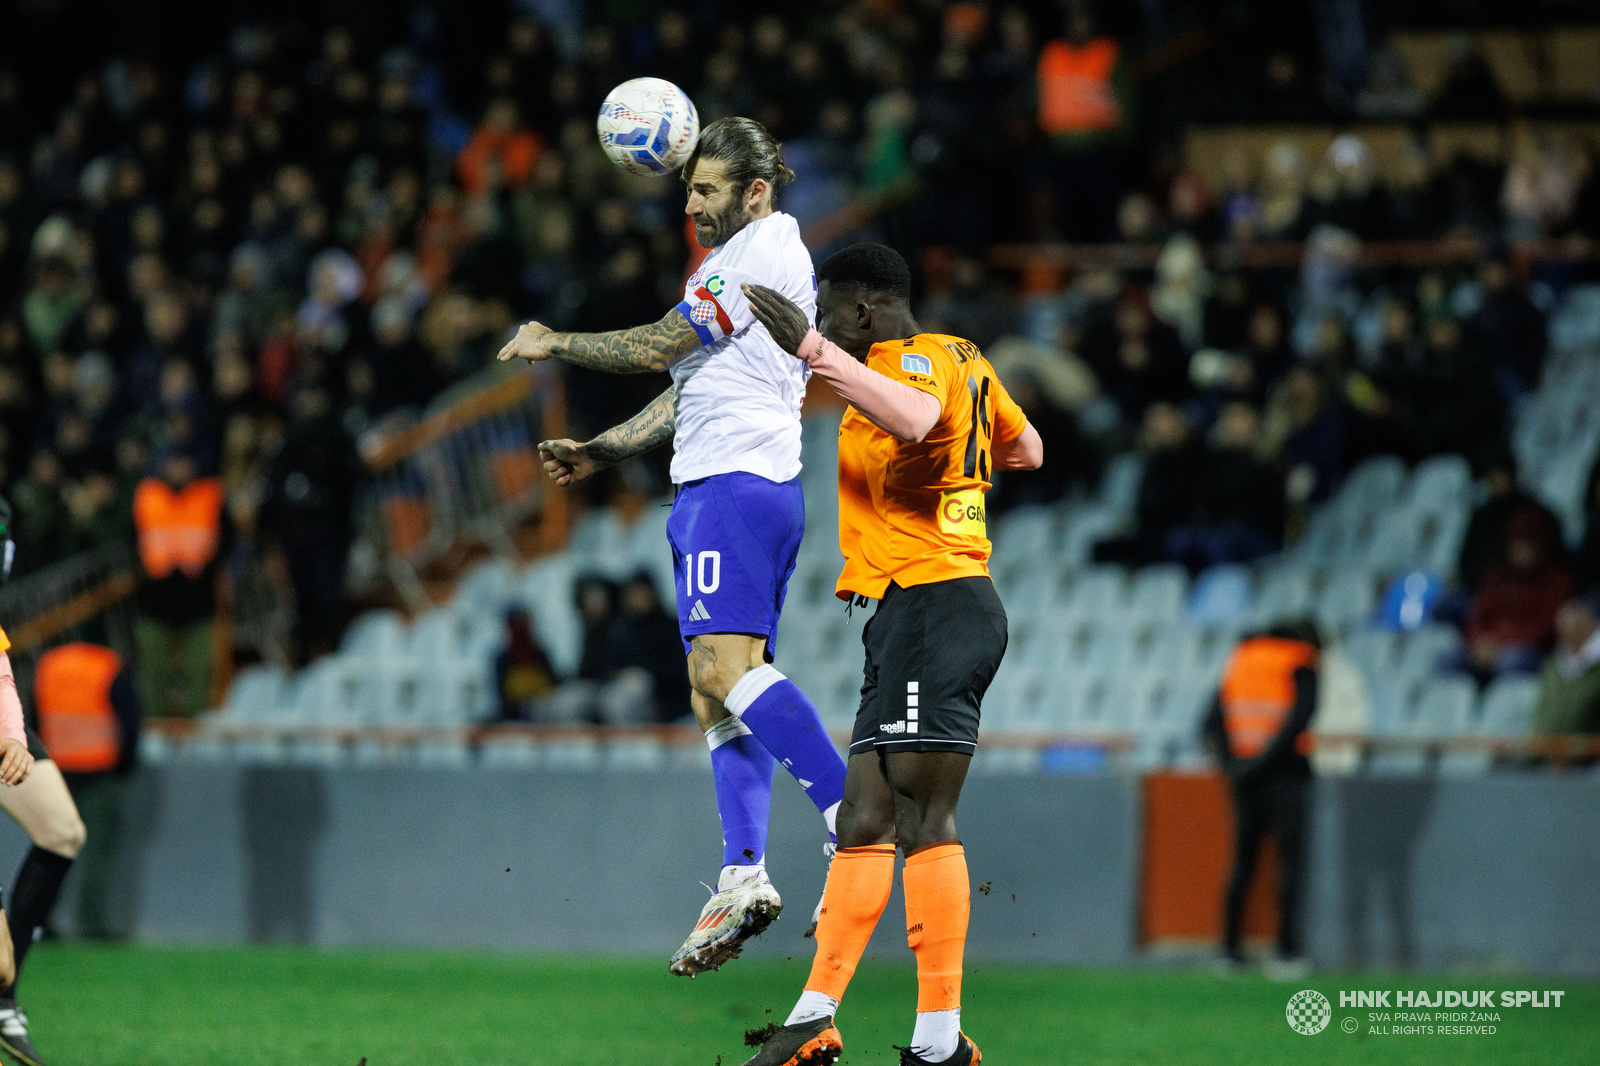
963	513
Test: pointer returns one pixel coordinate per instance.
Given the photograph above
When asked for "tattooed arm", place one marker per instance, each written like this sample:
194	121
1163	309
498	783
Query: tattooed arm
568	462
622	351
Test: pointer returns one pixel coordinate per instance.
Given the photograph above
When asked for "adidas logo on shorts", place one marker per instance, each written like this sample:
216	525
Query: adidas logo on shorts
699	613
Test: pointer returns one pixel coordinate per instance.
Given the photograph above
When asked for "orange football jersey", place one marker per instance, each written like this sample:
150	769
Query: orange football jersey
913	512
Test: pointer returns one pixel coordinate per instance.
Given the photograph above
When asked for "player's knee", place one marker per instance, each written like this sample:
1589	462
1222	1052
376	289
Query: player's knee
863	824
713	680
922	828
65	836
707	711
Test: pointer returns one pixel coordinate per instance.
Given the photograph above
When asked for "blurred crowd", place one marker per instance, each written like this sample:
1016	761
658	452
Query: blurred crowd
233	257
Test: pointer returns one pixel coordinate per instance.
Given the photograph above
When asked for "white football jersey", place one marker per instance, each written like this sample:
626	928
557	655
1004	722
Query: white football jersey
738	395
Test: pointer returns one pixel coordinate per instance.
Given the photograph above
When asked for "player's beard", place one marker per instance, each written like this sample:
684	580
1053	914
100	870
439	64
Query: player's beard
721	228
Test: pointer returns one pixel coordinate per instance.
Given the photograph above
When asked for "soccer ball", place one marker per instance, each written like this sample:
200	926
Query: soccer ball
648	126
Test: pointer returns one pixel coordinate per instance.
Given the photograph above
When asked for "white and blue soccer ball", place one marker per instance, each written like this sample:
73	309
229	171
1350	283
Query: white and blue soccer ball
648	126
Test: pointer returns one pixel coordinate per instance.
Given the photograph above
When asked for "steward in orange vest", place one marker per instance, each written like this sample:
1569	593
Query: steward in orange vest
179	521
88	712
1084	88
1258	728
1267	695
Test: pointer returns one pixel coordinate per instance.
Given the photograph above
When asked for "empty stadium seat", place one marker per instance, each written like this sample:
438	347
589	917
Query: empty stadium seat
1348	600
1197	655
1086	527
455	692
1158	592
487	587
546	589
1032	587
1013	695
836	691
1097	592
1425	648
1372	485
1444	708
255	693
1507	709
1375	652
1441	482
376	634
1285	592
1119	485
1025	533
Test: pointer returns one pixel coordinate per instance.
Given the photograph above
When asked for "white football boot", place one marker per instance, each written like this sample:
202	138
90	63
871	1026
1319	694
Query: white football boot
732	916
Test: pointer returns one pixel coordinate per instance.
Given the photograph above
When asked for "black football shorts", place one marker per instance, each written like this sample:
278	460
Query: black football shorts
931	652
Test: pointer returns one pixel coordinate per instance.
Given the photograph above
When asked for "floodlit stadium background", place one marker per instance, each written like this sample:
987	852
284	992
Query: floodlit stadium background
1304	300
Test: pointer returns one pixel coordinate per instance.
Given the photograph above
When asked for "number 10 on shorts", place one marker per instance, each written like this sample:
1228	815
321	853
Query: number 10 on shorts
704	569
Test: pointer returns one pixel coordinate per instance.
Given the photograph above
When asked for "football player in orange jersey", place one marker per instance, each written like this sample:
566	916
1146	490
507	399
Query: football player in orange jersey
928	424
36	795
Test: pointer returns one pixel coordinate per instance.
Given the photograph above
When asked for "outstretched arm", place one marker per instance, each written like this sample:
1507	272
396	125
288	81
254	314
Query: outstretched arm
623	351
569	462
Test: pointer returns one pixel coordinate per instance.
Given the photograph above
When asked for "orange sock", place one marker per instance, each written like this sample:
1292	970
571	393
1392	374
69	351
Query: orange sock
938	901
858	889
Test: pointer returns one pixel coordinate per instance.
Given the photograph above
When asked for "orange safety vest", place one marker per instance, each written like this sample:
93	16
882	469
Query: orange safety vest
72	691
177	530
1075	94
1258	692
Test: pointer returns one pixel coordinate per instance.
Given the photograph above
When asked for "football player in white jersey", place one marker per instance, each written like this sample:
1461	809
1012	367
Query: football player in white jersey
733	414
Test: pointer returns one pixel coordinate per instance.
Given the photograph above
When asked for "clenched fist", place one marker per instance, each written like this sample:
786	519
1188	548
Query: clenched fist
567	462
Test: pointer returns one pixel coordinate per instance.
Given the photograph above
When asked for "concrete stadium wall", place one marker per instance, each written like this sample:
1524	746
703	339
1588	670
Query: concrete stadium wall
1497	872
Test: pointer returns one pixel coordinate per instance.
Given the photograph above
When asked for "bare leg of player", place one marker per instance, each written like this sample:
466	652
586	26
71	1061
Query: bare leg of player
43	806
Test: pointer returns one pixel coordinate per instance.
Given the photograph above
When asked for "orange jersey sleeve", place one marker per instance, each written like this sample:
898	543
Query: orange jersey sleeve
1009	421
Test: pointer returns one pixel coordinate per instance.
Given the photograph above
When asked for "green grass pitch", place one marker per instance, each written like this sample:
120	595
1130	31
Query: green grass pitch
142	1006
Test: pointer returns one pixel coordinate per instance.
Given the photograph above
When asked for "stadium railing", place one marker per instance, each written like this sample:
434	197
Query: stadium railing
468	471
47	607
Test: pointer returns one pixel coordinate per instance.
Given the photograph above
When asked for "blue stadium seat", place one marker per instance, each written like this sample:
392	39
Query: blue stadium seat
1221	595
1410	601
